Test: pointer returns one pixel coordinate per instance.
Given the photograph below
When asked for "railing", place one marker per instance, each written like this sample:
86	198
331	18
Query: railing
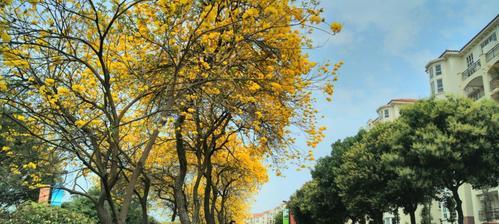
492	53
476	95
471	69
488	215
494	83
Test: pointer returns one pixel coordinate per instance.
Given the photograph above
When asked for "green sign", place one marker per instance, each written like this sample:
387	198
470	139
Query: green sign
285	216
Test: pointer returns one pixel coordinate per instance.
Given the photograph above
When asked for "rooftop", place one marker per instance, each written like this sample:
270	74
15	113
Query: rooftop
408	100
397	101
470	42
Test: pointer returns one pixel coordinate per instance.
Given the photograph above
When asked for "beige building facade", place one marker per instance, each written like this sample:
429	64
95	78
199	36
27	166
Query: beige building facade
472	71
266	217
389	111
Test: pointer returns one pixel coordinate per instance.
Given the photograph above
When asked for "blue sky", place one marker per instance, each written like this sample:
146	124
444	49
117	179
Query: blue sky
385	45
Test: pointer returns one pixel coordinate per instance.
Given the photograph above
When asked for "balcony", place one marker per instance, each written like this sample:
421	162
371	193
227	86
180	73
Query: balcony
494	88
488	215
471	69
475	88
494	84
492	53
476	95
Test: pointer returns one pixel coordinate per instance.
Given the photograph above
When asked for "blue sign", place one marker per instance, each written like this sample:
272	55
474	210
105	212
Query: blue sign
56	196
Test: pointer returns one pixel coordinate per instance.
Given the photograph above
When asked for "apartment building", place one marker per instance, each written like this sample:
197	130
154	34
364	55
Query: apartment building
389	111
472	71
266	217
439	213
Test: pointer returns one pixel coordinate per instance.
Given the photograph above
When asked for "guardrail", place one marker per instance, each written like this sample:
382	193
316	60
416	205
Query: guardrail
492	53
477	95
471	69
494	83
488	215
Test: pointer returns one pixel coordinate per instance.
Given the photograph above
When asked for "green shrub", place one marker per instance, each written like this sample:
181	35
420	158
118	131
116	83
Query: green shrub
34	213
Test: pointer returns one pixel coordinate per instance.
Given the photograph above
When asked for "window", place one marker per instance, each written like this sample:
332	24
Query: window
440	86
438	69
432	85
430	71
489	40
386	113
469	60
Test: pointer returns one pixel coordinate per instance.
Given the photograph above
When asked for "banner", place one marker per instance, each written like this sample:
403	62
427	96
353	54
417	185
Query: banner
285	216
44	195
56	197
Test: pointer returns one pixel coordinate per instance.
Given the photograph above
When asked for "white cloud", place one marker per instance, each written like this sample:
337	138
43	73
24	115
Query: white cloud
400	21
401	24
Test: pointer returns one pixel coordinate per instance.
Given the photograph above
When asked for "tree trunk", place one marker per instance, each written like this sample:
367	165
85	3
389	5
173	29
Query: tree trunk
209	218
180	200
127	199
413	216
145	217
103	213
221	214
143	201
459	205
354	220
411	210
378	217
213	203
196	200
174	215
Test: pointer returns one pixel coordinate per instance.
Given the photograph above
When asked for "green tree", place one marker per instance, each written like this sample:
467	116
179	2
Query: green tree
450	205
332	208
278	218
426	213
34	213
407	189
302	203
453	141
396	216
319	200
24	162
364	179
86	206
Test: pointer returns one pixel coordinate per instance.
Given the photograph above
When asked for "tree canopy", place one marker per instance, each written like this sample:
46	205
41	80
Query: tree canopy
146	97
434	147
25	162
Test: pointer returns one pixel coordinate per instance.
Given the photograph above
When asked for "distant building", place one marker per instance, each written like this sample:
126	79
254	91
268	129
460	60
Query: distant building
266	217
390	111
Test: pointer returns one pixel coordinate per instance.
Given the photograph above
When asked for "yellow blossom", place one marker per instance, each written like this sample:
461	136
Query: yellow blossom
19	117
30	165
5	36
49	82
80	123
336	27
78	88
315	19
3	84
63	90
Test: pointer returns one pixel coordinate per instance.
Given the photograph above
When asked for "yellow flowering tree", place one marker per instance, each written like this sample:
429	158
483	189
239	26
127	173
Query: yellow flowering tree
112	82
25	162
